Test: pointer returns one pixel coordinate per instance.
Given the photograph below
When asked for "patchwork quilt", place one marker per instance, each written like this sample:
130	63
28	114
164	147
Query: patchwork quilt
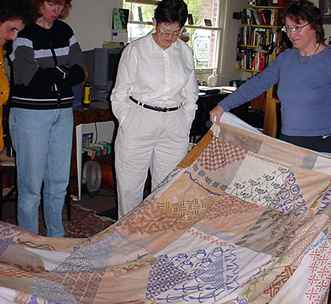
244	218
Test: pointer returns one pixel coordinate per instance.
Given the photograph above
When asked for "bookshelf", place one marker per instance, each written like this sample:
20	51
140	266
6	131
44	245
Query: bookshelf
259	42
259	37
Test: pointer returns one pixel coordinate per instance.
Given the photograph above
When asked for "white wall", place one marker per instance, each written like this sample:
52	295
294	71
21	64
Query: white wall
227	64
91	21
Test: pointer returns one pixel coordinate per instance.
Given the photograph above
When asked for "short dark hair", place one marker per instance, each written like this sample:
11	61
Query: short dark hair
15	9
304	10
170	11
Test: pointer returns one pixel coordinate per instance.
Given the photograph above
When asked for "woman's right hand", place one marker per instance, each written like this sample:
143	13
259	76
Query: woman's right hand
216	114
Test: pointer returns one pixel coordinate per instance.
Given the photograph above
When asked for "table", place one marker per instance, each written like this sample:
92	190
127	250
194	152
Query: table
208	99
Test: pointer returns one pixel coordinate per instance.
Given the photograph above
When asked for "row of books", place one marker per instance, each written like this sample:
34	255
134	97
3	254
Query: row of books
258	37
253	61
264	16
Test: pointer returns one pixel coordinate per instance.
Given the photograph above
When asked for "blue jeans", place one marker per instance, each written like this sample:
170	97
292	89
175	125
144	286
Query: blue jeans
42	140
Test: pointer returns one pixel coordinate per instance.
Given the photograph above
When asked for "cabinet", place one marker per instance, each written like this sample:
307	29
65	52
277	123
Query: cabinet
259	42
97	124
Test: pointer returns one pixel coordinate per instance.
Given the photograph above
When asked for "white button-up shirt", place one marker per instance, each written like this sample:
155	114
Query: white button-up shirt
156	77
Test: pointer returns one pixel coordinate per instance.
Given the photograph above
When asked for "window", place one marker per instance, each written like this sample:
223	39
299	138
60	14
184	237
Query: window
204	32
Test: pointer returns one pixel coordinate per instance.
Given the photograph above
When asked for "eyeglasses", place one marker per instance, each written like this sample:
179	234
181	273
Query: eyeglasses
294	28
166	33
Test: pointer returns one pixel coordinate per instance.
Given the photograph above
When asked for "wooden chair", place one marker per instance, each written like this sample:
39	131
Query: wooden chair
271	123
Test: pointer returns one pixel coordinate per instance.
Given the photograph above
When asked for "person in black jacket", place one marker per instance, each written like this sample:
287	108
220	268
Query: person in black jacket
47	63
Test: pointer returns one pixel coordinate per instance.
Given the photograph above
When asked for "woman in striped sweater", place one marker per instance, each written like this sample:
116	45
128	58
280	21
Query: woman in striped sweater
47	63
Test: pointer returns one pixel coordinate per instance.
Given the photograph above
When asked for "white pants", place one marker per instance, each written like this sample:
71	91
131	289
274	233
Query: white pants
147	139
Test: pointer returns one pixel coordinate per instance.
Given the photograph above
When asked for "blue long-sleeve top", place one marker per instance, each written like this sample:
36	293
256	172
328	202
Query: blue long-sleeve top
304	91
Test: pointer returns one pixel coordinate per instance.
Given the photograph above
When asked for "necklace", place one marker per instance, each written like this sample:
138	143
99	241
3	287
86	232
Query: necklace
306	59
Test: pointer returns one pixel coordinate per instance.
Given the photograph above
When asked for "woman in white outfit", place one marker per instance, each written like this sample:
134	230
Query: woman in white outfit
154	100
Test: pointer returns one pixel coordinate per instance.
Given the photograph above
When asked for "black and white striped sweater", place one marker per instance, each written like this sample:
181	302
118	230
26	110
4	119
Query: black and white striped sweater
37	52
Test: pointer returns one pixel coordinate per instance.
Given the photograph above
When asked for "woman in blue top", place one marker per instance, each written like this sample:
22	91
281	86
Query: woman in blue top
303	75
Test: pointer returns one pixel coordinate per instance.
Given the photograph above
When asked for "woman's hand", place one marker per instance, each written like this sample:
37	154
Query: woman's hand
216	114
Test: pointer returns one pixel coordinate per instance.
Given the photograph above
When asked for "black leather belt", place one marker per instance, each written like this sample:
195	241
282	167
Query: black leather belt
159	109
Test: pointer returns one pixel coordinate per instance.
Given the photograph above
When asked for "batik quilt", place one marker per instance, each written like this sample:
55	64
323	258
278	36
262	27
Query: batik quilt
244	218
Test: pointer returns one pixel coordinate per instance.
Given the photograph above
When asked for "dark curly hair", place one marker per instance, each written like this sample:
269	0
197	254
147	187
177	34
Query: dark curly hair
170	11
38	3
303	10
15	9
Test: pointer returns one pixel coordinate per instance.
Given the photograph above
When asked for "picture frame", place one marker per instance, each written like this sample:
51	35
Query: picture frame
325	7
208	22
190	19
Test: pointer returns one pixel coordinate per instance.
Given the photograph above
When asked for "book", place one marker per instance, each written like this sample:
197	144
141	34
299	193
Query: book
190	19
